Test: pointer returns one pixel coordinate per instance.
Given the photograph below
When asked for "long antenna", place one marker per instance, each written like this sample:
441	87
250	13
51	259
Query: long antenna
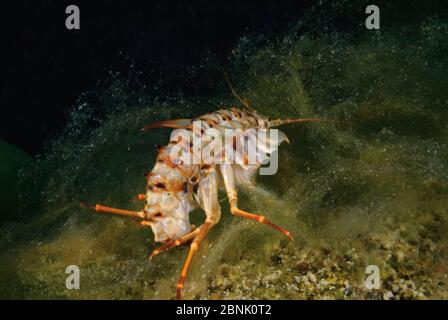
244	102
279	122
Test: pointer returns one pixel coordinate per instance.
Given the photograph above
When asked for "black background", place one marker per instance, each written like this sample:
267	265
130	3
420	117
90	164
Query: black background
45	67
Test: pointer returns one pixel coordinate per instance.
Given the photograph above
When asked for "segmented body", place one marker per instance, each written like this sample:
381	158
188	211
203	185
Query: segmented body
168	181
175	188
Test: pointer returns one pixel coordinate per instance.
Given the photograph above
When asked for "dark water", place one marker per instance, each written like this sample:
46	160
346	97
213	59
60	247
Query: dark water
371	190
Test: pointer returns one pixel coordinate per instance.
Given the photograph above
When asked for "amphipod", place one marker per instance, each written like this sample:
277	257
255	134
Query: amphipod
175	188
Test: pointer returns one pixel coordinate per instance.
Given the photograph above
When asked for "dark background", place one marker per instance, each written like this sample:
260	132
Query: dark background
45	67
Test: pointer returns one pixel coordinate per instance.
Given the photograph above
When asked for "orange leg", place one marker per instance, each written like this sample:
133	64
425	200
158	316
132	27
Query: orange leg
121	212
141	197
175	243
209	192
240	213
145	223
202	232
227	174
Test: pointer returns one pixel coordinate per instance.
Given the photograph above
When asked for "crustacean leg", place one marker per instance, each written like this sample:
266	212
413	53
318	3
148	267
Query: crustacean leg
121	212
229	181
209	193
141	197
145	223
174	243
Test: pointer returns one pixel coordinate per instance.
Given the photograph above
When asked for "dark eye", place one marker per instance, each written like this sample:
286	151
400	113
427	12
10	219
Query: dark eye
160	185
158	214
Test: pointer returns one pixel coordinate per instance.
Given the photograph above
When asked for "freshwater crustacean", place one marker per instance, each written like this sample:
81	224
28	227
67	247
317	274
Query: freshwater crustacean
175	187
